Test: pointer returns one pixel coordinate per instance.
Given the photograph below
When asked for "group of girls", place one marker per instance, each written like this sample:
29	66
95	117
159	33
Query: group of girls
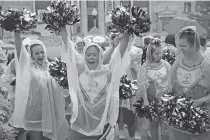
94	79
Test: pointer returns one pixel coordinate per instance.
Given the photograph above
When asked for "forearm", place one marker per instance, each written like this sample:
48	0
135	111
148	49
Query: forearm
108	55
124	44
205	99
18	43
64	35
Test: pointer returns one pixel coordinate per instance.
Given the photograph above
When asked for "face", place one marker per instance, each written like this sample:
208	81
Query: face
157	55
185	47
37	54
80	46
92	55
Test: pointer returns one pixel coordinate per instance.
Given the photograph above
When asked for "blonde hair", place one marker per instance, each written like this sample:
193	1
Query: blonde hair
155	43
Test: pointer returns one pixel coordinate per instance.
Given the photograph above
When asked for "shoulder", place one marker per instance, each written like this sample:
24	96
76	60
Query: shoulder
167	64
206	65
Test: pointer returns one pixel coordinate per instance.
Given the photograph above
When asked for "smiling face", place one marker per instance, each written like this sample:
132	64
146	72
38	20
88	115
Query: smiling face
92	55
37	54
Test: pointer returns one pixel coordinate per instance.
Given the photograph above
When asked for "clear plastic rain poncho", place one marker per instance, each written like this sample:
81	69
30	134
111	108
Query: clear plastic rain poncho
132	70
94	93
39	104
190	78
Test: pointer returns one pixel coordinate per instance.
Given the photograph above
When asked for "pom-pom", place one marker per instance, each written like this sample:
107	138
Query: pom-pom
130	21
18	20
59	14
169	56
180	114
127	88
151	112
58	70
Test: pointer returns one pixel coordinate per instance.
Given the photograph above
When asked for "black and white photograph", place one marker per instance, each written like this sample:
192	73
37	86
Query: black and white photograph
104	69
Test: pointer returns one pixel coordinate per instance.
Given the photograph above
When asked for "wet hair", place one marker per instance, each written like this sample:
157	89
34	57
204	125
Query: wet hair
170	39
202	41
191	37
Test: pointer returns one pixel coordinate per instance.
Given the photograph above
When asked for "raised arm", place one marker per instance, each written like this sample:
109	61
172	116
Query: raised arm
64	35
124	44
112	45
68	49
18	43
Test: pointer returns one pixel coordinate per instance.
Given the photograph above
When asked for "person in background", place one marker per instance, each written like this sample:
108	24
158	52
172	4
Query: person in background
10	56
170	39
126	114
147	41
79	45
203	43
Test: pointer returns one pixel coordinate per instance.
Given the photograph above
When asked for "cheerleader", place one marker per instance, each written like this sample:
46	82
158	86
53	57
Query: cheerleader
39	104
126	115
153	82
190	77
94	89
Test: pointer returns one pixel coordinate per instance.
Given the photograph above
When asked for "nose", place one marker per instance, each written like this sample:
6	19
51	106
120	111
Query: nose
41	55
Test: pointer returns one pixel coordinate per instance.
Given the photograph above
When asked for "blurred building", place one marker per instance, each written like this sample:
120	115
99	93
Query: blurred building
160	11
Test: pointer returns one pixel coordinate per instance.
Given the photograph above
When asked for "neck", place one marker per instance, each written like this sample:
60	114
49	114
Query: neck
92	66
155	64
193	60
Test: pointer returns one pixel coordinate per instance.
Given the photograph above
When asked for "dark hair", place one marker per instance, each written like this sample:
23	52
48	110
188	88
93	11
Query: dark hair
170	39
202	41
191	37
147	40
10	57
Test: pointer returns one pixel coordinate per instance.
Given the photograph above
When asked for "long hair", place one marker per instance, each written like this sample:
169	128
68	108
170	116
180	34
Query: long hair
151	49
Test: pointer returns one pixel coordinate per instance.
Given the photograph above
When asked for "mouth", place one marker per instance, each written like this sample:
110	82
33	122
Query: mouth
91	61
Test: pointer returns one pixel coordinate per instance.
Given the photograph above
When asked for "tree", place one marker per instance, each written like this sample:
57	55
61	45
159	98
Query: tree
202	16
